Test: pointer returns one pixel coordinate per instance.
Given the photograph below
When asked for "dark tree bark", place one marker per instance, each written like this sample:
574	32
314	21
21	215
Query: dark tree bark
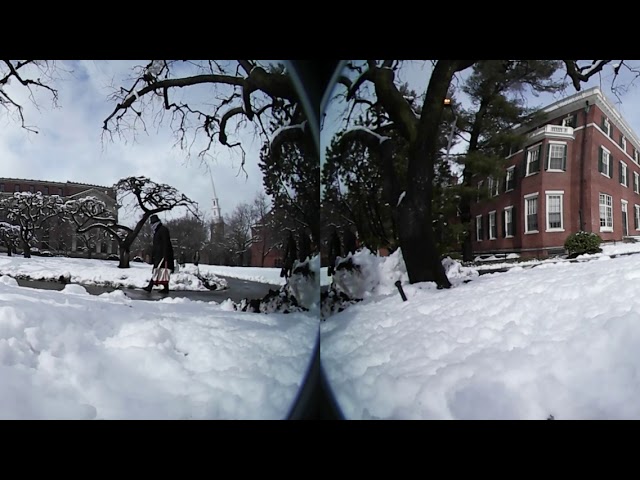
415	219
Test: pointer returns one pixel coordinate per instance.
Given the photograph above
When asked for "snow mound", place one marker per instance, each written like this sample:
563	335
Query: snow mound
7	280
208	279
364	274
74	289
456	272
304	283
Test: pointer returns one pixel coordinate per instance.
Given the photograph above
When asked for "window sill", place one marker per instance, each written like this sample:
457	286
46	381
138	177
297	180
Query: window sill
511	236
510	190
531	174
606	229
556	171
554	230
531	232
626	186
604	175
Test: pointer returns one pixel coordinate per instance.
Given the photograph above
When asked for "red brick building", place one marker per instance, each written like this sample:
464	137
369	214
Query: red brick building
265	250
68	191
579	169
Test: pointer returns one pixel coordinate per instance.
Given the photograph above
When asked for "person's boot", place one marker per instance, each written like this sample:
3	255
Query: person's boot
148	287
165	289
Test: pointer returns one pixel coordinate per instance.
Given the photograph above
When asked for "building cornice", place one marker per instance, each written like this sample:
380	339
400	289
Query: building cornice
594	96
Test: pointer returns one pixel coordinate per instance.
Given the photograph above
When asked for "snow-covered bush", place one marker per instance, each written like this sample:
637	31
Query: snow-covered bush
581	243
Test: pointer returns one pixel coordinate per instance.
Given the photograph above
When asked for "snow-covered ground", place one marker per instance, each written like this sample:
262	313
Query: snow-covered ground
607	249
560	339
69	355
257	274
96	272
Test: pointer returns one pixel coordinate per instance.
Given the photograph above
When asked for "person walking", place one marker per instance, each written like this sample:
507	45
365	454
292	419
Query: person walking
161	255
196	258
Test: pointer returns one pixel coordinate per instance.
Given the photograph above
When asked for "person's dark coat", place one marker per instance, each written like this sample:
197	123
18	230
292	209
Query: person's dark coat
196	258
334	250
183	259
162	248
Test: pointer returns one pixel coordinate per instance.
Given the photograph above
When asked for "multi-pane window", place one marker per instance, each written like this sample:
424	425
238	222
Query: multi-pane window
531	212
554	211
493	227
493	187
60	191
1	187
533	160
605	162
510	181
623	174
606	212
636	217
636	182
32	189
606	126
508	222
46	190
636	155
16	188
557	156
480	183
623	142
479	228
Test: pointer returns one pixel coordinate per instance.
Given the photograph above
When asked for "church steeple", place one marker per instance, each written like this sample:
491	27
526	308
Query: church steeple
215	206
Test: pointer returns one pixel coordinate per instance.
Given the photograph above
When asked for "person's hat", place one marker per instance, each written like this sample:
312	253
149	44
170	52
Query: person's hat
154	219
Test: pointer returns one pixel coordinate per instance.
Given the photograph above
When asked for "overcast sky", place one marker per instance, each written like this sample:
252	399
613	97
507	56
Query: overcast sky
417	73
69	144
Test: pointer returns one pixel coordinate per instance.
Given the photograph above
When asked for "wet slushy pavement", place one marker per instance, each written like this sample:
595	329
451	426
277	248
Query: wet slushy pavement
238	290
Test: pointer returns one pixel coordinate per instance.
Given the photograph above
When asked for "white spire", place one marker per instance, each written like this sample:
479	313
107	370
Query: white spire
217	215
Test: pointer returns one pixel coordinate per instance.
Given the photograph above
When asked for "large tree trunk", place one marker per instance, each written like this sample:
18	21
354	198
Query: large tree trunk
124	257
415	227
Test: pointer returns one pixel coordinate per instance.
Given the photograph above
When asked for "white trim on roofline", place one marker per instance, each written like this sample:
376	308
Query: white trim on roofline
577	101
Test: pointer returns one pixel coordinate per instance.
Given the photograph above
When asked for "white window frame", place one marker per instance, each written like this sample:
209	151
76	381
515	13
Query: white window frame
624	143
504	219
537	149
512	171
606	163
636	209
607	124
480	183
636	182
624	207
625	174
492	214
554	193
478	228
528	197
636	156
605	228
492	186
552	142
